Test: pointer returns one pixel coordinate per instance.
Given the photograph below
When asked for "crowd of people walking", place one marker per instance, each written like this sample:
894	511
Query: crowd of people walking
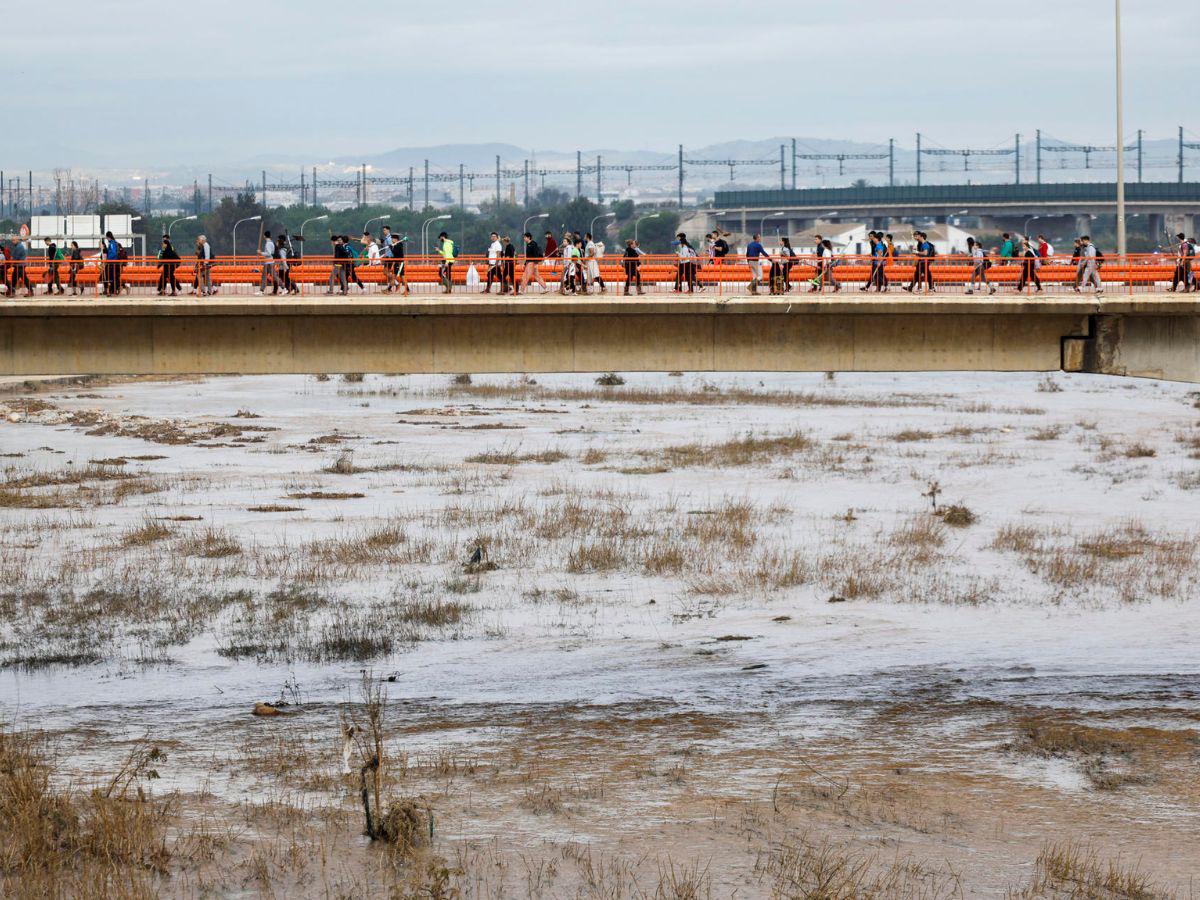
573	260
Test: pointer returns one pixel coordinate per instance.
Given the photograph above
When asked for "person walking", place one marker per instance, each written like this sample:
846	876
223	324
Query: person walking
53	258
818	280
508	267
112	276
285	253
755	254
1089	266
979	267
922	271
387	254
1045	250
75	262
446	268
631	262
267	271
571	281
495	271
20	269
787	254
338	271
593	252
533	261
1030	263
352	257
204	264
873	244
1183	263
168	261
398	260
687	255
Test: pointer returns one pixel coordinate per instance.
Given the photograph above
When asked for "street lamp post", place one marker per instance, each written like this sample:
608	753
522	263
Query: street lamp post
1120	141
525	224
367	227
305	222
235	225
177	221
424	235
762	221
592	227
639	221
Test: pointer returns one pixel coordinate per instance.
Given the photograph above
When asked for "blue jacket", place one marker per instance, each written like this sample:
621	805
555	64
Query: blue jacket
755	249
110	252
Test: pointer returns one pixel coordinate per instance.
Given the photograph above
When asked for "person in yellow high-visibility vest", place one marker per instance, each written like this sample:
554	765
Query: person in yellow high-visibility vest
447	269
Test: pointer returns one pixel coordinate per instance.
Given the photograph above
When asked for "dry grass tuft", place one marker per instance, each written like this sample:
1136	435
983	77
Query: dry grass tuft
1139	451
150	531
745	450
211	543
1071	869
55	841
910	435
956	515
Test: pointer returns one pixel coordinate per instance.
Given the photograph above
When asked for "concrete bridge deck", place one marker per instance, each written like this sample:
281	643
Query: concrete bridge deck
1147	334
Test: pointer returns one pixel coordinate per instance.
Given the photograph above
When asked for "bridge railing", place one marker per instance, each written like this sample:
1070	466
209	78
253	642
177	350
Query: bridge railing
658	274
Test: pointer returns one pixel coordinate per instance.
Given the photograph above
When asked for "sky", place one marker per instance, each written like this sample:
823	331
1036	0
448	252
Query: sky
120	82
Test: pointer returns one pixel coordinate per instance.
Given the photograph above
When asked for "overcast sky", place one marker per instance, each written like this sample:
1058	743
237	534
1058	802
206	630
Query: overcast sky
172	83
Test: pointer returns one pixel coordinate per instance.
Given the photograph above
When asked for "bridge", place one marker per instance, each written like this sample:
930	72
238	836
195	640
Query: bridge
1163	205
1149	334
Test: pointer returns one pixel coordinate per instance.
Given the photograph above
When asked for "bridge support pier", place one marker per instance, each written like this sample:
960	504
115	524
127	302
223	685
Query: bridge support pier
1166	347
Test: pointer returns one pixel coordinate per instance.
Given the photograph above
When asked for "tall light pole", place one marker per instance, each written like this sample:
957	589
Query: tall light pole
639	221
592	227
235	225
525	224
762	221
1120	141
367	227
424	236
305	222
177	221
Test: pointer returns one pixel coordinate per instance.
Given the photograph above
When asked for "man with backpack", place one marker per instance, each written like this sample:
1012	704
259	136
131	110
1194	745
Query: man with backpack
53	256
20	271
922	272
1089	266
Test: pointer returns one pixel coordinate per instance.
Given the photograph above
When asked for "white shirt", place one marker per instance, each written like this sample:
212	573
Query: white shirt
268	249
977	252
494	251
372	253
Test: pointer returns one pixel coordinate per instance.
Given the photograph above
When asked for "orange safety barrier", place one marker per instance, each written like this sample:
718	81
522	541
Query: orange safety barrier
311	276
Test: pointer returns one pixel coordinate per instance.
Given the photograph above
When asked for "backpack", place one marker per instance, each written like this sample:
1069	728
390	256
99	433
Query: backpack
599	250
930	250
58	254
122	253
